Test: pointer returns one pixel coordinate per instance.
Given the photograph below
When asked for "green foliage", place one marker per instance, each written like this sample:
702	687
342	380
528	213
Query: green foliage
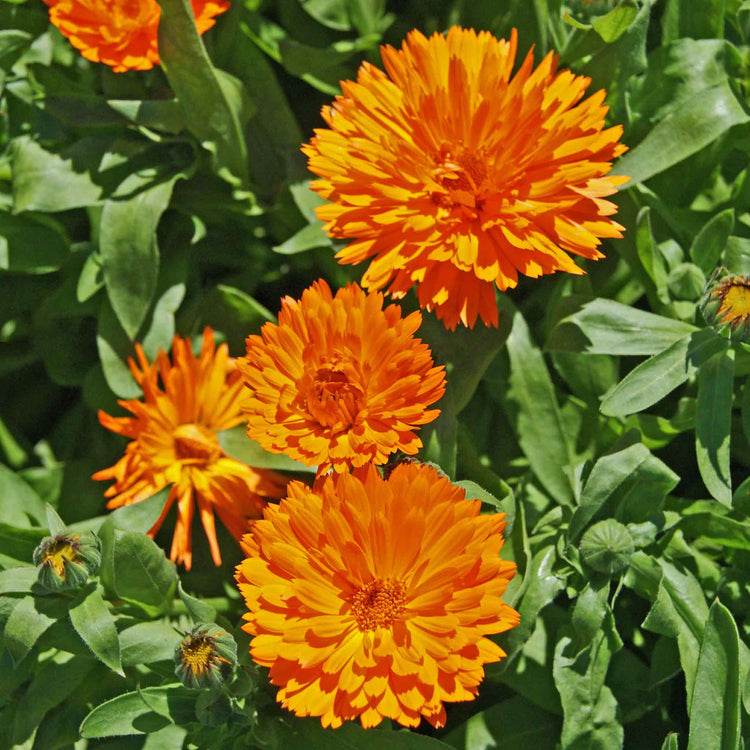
604	416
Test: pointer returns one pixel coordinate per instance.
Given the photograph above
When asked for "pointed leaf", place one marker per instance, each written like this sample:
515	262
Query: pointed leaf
95	624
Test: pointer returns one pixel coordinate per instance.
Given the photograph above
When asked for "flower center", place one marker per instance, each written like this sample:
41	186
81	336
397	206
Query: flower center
61	548
463	176
196	444
334	398
735	299
378	603
134	15
198	653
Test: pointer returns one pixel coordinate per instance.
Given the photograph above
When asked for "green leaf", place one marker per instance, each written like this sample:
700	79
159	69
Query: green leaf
508	725
159	114
214	104
657	377
141	574
710	242
715	707
91	279
713	422
532	408
651	257
18	544
236	444
608	475
702	107
148	642
20	503
235	313
129	713
95	624
139	517
671	742
603	326
307	238
129	254
589	708
679	607
24	627
18	580
114	348
200	611
30	246
53	682
46	181
686	18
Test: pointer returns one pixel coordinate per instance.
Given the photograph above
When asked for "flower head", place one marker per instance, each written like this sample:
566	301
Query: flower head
455	176
726	303
340	381
121	33
174	442
65	561
205	657
372	598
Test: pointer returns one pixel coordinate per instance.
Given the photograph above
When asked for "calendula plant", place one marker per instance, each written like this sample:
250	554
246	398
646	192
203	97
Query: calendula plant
374	374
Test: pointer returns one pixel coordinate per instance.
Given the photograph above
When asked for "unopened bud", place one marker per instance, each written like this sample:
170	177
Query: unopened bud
65	561
205	657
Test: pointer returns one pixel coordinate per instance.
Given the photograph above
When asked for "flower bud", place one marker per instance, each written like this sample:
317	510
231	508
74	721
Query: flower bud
205	657
726	303
65	561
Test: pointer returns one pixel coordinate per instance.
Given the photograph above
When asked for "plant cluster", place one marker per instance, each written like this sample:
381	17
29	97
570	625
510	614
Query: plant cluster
482	482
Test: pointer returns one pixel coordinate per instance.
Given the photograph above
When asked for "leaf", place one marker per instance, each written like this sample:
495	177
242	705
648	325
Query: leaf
715	707
235	313
713	422
129	254
608	474
671	742
200	611
114	348
307	238
24	627
702	107
532	408
686	18
657	377
18	580
46	181
214	103
710	242
589	708
53	682
30	246
139	517
91	279
236	444
603	326
141	574
679	607
160	114
651	257
148	642
95	624
19	503
129	713
508	725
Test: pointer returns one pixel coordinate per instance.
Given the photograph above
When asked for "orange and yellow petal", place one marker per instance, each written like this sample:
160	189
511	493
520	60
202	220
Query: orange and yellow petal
372	598
121	33
453	175
340	381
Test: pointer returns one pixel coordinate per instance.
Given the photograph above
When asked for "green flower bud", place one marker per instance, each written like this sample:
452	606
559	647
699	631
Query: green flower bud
607	547
205	657
726	304
65	561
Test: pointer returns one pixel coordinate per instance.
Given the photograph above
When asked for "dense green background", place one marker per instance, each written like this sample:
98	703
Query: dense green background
603	416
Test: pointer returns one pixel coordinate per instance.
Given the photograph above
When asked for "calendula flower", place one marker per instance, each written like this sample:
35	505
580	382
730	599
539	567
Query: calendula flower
726	303
454	175
174	442
340	381
65	561
121	33
372	598
205	657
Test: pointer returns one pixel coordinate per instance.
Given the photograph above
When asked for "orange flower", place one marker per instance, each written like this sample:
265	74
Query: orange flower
340	381
455	176
372	598
121	33
174	443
